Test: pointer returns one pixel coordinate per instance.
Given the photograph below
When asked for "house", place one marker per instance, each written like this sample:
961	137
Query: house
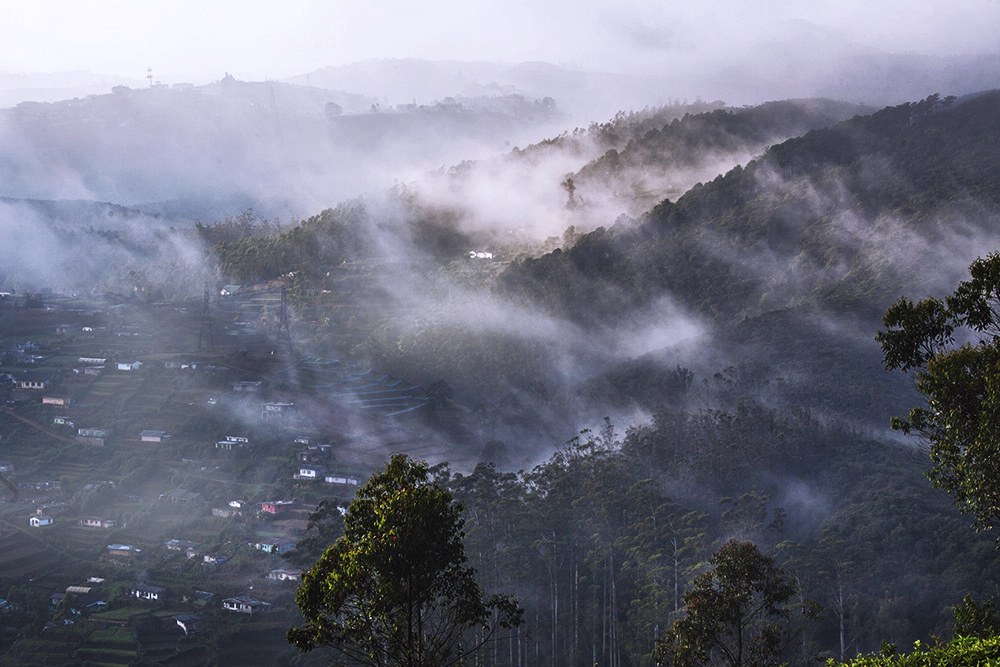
341	480
310	472
92	361
315	454
40	520
6	466
213	559
182	496
274	545
85	595
229	289
181	545
64	328
122	550
187	622
34	380
284	575
277	506
93	436
153	436
53	399
276	411
146	592
128	365
62	420
245	605
94	432
233	441
248	387
95	522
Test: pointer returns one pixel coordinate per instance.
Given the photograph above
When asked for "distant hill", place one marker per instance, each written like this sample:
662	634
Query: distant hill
792	259
285	150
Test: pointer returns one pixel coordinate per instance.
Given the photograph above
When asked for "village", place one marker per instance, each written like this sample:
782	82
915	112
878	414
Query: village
160	463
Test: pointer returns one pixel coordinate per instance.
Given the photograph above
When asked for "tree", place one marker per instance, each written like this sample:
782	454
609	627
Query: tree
738	613
395	589
961	383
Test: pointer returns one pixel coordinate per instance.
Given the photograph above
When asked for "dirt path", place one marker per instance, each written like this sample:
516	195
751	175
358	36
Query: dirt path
37	425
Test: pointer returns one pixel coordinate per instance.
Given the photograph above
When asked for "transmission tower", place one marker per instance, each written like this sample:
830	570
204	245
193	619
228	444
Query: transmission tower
206	323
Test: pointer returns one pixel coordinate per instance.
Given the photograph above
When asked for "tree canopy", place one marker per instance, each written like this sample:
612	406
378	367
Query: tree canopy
395	589
738	613
953	347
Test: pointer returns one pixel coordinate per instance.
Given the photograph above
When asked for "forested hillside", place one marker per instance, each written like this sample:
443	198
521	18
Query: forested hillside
714	354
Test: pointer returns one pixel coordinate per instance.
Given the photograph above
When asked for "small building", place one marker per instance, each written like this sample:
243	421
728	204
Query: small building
284	575
248	387
128	365
147	592
187	622
276	411
102	433
340	480
93	361
54	399
181	545
213	559
153	436
245	605
6	466
182	496
96	522
228	290
277	506
233	441
40	520
310	472
34	380
315	454
274	545
122	550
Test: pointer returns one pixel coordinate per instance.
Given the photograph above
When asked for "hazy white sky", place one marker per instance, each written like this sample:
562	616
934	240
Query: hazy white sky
265	38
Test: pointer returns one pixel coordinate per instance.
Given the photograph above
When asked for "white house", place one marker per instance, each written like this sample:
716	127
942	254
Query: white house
341	480
128	365
271	545
40	520
144	592
245	604
153	436
310	472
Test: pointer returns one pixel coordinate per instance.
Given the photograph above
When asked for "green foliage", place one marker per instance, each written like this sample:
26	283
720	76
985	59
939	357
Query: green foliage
960	382
395	589
976	619
960	652
738	613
